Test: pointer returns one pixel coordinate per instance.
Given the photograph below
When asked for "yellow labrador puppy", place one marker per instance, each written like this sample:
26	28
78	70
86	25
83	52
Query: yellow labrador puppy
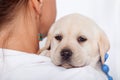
76	41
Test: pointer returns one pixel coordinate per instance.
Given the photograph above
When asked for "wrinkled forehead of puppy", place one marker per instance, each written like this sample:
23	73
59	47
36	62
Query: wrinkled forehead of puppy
75	24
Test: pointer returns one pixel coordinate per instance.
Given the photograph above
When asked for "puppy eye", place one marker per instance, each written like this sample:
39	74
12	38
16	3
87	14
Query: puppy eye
58	37
81	39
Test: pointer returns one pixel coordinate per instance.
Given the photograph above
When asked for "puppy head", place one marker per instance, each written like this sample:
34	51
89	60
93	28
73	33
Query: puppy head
76	41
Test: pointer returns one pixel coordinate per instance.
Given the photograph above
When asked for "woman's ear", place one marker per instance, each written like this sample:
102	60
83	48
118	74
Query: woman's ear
37	5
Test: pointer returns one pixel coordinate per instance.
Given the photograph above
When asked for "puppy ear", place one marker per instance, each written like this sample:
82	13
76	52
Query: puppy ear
48	42
103	44
49	39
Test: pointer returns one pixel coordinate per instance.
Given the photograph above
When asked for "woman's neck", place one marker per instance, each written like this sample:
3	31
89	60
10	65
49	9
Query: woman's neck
21	34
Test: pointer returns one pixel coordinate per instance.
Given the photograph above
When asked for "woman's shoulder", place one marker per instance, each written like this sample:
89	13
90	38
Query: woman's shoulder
23	66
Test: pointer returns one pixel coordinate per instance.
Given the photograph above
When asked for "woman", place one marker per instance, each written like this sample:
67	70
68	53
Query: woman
21	23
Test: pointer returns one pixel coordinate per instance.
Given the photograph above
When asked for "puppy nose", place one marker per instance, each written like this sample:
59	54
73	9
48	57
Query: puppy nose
66	54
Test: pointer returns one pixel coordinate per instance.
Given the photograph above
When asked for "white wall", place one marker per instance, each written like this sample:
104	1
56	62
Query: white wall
106	13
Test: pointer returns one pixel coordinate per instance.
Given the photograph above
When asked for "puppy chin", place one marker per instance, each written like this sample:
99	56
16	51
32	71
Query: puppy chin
66	65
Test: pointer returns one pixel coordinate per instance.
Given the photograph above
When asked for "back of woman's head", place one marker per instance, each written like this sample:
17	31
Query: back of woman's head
9	8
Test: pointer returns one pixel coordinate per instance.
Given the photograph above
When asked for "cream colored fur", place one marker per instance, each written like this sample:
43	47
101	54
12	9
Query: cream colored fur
70	27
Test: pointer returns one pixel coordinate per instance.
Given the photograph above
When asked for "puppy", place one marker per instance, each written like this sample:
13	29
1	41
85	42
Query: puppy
76	41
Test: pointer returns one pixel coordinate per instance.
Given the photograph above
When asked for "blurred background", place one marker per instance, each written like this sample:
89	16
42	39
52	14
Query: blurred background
106	13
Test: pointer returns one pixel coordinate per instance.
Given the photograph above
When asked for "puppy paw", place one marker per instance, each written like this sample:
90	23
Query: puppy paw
45	53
